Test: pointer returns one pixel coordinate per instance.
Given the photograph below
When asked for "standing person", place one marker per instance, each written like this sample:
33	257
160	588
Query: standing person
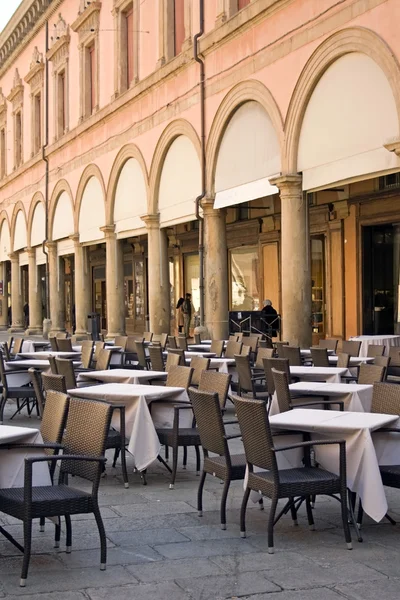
26	315
187	310
179	314
270	316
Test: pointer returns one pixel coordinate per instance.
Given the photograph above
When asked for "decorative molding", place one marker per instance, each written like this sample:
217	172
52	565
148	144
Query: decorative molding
393	147
87	22
16	95
35	77
59	51
3	109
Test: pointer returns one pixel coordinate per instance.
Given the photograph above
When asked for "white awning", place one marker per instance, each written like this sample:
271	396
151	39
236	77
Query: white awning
246	192
23	259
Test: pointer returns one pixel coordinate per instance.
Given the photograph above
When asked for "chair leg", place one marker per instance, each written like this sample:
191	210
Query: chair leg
261	504
68	527
2	405
293	511
360	514
57	534
243	512
27	551
271	520
310	513
123	464
196	448
103	540
41	524
174	466
184	457
346	528
116	454
200	494
225	491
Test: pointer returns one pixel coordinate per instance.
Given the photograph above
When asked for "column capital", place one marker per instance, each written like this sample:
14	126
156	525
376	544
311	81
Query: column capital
75	238
207	204
51	245
152	221
31	252
109	230
13	256
287	181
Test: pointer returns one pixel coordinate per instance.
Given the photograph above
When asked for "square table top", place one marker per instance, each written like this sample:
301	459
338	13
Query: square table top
12	433
124	391
328	389
328	371
45	355
309	419
114	375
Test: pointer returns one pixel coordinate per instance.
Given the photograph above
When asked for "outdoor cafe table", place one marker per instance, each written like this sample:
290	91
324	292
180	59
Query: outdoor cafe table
116	353
34	345
191	354
41	364
140	424
45	355
122	376
356	398
364	454
381	340
327	374
12	460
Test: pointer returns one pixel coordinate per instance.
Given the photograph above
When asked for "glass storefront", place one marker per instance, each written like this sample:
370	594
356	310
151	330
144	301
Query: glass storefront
244	269
191	267
99	292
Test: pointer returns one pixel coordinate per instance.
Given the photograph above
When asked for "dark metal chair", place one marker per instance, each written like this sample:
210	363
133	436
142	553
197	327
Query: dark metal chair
233	349
65	367
279	346
261	354
172	341
147	336
25	393
53	364
83	456
249	383
53	343
182	342
141	355
274	483
179	352
280	364
38	388
383	361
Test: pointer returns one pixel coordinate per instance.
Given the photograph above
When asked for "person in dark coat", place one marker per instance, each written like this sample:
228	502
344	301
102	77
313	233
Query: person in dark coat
270	317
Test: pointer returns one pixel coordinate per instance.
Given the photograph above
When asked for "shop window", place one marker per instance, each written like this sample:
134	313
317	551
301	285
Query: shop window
318	284
191	267
140	306
243	212
388	182
244	279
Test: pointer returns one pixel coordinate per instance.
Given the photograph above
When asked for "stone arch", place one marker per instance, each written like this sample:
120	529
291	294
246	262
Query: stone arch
61	186
88	173
17	208
168	136
4	221
127	152
354	39
243	92
37	198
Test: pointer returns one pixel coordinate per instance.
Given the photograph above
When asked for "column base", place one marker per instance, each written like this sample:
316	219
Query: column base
34	331
113	335
16	329
3	327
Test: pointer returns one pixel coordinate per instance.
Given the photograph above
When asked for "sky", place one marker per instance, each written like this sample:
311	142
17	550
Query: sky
7	8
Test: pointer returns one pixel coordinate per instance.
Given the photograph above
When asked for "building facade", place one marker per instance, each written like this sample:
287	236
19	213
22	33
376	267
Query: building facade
115	152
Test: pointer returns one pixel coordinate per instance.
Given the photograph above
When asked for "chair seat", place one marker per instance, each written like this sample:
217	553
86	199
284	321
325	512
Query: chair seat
21	392
47	501
303	481
216	465
390	475
186	437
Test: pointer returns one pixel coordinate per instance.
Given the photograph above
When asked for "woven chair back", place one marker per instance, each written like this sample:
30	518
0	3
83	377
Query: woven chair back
61	335
233	338
87	354
199	364
121	340
244	373
163	340
6	351
280	364
3	376
215	382
351	347
17	348
99	346
252	341
179	352
208	417
52	381
172	342
53	343
182	342
382	361
319	357
293	354
394	353
375	350
87	428
217	347
329	344
173	360
197	338
256	433
370	374
343	360
103	361
239	337
245	351
179	377
10	342
64	345
147	336
279	346
232	349
53	364
261	354
66	367
386	399
281	382
156	358
54	418
130	344
37	386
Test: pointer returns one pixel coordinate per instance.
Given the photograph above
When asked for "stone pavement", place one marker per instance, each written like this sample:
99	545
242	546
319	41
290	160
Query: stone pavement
159	549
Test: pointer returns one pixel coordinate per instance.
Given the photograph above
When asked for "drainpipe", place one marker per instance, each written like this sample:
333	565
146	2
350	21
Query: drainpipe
46	161
203	157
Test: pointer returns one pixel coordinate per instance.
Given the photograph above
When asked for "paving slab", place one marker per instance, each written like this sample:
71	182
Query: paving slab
219	587
158	591
173	569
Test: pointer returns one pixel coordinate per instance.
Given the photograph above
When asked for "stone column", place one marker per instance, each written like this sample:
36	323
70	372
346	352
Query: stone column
35	296
158	275
295	262
215	271
3	297
56	290
82	287
17	312
115	283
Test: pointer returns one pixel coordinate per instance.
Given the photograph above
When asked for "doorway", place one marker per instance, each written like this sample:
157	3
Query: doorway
380	284
100	295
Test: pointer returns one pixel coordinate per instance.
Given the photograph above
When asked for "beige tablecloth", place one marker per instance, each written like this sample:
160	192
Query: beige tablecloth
363	476
140	423
12	463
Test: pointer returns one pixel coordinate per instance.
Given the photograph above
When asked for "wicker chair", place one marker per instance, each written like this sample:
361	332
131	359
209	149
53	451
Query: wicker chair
279	346
84	446
53	364
99	346
329	344
285	400
370	374
248	381
176	437
216	383
197	338
64	345
182	342
53	382
53	343
62	335
103	360
393	371
217	347
232	349
129	354
87	354
24	393
172	342
10	343
252	341
179	352
227	467
274	483
17	347
386	399
261	354
66	367
375	350
351	347
246	351
280	364
147	336
293	354
343	360
173	360
163	340
199	364
383	361
156	358
121	340
239	336
319	357
37	386
6	352
233	338
141	355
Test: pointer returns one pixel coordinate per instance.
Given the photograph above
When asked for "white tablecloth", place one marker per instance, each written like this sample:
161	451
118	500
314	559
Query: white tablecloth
140	424
33	345
363	476
382	340
45	355
12	463
189	354
122	376
327	374
355	361
40	364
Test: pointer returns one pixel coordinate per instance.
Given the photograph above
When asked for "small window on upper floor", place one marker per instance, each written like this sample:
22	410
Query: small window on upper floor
127	25
2	153
242	4
179	25
130	72
61	124
175	28
37	123
18	139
